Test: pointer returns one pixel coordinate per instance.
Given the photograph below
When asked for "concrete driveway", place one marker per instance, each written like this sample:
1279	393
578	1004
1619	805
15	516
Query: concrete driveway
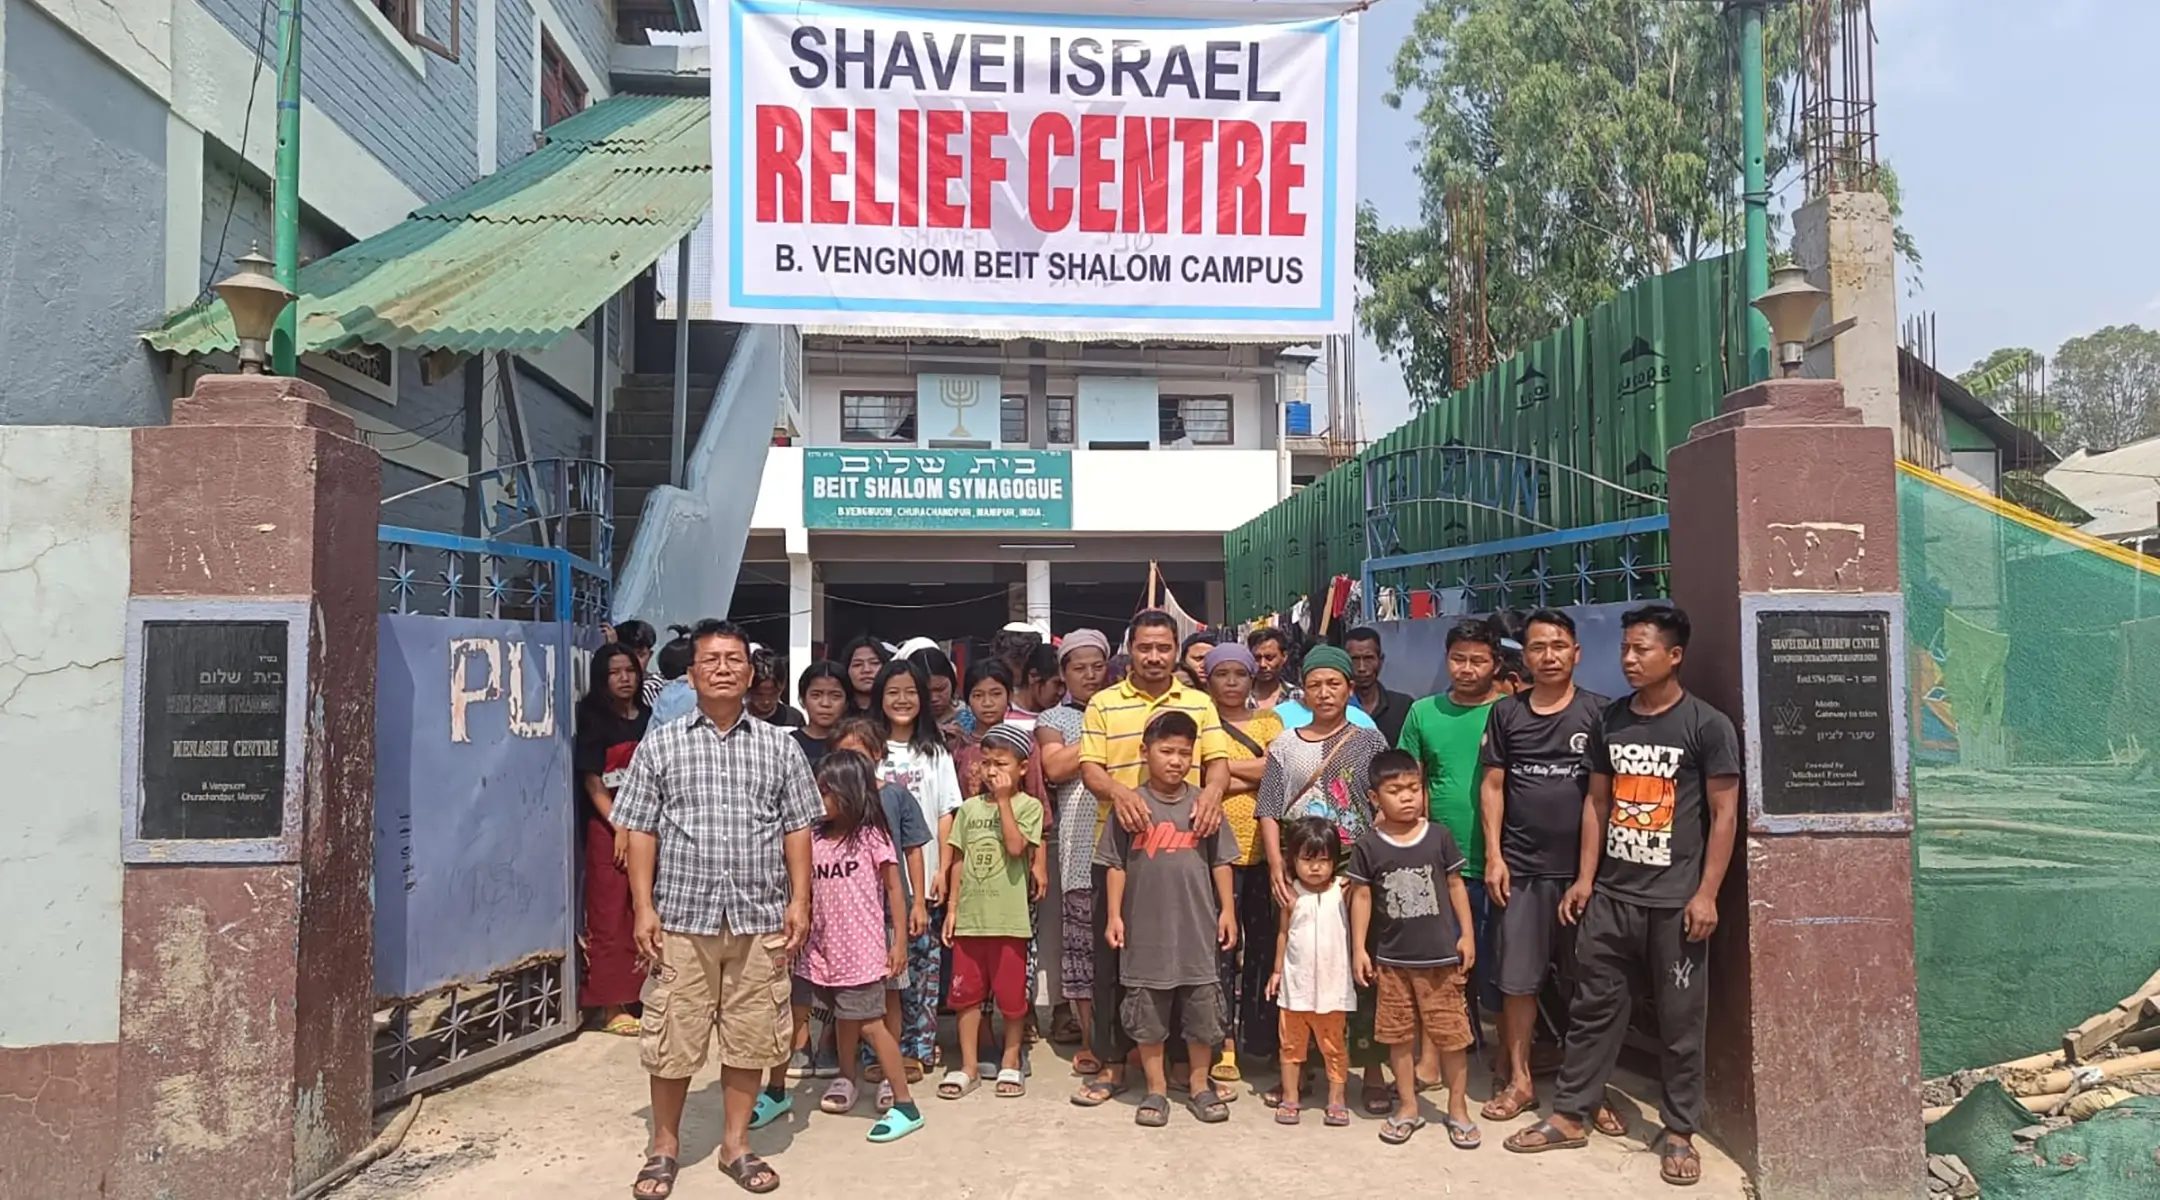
571	1122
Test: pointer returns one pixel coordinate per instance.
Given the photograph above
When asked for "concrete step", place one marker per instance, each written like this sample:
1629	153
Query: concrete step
627	447
665	382
653	424
631	489
643	400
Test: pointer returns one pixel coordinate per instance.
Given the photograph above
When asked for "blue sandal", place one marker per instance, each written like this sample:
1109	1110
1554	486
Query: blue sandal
769	1110
893	1126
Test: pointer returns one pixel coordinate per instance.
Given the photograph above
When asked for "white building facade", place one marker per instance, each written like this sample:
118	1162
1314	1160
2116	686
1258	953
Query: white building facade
942	487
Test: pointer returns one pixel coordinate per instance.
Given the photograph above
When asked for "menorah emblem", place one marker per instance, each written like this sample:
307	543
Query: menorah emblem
959	393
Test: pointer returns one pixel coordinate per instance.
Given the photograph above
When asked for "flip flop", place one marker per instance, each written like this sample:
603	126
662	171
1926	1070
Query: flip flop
1338	1115
752	1174
1154	1111
1286	1114
1549	1138
1608	1121
1011	1084
769	1110
1274	1094
893	1126
1672	1153
1208	1105
956	1085
621	1025
660	1169
1085	1063
1507	1106
1097	1092
1397	1130
839	1097
1462	1134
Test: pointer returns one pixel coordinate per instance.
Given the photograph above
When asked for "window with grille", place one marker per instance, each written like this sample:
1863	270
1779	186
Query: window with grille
1015	428
1202	420
877	417
562	93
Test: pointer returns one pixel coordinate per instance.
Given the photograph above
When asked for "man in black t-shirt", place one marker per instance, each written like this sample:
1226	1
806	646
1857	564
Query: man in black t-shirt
1531	803
1659	825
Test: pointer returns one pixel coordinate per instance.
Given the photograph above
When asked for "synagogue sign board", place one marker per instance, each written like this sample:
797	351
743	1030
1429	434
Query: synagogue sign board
1824	691
214	752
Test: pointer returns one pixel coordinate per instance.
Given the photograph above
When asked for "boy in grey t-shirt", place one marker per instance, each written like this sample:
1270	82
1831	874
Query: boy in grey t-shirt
1170	916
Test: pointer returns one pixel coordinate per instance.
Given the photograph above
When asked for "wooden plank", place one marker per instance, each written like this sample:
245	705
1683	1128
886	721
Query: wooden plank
2104	1027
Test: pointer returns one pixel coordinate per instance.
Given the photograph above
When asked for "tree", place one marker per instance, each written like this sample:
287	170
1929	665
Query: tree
2013	382
2107	384
1604	137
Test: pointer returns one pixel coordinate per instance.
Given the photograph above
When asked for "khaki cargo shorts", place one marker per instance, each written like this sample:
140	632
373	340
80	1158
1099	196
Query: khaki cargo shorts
733	984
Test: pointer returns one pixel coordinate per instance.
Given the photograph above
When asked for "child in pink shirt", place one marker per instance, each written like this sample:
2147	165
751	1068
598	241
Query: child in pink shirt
858	934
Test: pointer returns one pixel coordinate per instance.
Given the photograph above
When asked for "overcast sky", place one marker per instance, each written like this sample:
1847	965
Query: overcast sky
2027	137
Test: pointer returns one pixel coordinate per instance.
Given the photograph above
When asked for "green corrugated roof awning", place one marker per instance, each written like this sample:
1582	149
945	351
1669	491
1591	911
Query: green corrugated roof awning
516	260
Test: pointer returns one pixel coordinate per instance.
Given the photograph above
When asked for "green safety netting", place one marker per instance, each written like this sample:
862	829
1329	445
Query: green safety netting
2035	655
2110	1156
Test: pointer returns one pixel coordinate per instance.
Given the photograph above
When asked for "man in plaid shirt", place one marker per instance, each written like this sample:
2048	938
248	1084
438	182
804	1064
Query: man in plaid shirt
718	807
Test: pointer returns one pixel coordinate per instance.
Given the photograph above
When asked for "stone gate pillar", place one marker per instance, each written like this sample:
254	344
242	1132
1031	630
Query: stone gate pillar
1785	554
248	774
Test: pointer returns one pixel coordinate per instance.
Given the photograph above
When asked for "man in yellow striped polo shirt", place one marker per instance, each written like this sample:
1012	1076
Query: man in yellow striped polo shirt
1112	768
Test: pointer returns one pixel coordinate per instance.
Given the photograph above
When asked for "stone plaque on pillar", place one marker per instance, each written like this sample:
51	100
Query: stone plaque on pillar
214	710
1823	675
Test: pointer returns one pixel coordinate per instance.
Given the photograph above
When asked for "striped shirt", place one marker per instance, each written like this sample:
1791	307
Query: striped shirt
720	801
1118	715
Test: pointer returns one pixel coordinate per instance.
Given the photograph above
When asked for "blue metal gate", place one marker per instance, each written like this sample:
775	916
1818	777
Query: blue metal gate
482	646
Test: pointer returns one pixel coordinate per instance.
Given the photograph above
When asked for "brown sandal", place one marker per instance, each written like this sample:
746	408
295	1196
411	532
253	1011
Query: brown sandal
1548	1138
1508	1105
659	1169
1673	1154
1608	1121
752	1174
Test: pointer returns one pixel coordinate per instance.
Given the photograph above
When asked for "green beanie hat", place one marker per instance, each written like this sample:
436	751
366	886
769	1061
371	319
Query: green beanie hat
1328	657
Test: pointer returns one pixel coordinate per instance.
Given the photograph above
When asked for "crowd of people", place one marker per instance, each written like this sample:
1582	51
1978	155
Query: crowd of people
1235	852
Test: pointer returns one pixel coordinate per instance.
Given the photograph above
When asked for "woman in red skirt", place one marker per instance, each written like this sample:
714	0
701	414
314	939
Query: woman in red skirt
610	722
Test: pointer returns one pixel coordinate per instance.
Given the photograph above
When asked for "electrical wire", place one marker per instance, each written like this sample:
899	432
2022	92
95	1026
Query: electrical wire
247	118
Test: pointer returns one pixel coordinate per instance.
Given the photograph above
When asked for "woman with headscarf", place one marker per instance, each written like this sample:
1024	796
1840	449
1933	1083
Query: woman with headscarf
611	720
1228	671
1083	661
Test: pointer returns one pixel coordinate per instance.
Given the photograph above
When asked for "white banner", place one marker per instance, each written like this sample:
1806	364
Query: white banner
1179	172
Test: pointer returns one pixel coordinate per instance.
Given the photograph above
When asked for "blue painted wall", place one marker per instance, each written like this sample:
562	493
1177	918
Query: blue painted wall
82	233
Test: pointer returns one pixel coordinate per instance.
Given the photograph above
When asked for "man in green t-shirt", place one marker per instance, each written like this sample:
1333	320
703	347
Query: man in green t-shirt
1444	733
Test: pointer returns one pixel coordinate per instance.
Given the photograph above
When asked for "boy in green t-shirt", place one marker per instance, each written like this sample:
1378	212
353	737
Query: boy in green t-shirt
995	836
1445	733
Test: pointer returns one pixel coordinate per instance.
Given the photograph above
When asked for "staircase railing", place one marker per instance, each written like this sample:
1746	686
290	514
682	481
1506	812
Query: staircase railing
688	546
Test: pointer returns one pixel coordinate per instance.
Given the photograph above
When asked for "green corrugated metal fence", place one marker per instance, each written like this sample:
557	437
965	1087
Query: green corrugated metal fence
1600	399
